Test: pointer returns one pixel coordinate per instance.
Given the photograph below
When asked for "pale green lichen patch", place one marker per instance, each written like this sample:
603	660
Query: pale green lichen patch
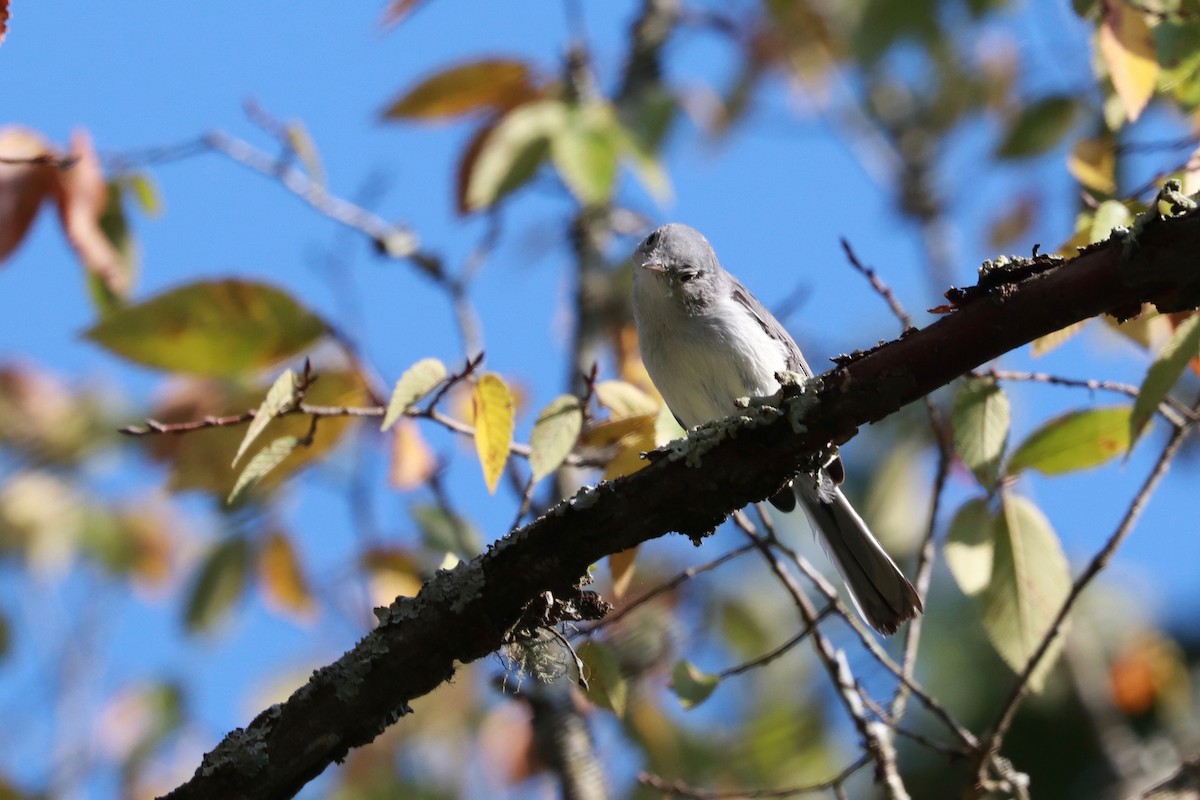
243	751
799	405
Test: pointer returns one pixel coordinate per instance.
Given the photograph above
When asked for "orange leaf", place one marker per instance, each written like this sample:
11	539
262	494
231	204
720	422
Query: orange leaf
283	581
1127	46
22	186
81	204
412	460
487	84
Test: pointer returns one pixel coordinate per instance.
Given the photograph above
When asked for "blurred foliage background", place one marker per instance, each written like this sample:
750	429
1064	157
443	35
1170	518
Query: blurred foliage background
162	586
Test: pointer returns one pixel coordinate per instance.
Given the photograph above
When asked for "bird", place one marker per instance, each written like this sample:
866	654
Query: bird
706	342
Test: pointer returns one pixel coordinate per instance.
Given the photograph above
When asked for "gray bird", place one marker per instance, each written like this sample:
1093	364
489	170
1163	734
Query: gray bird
706	341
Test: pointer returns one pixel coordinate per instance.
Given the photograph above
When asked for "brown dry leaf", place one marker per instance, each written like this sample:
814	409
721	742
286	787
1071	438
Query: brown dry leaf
507	746
1127	47
22	186
396	11
412	459
3	19
1012	224
82	199
284	586
491	84
152	533
620	566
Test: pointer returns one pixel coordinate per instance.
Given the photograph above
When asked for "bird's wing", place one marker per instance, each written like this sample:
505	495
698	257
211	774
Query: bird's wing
795	360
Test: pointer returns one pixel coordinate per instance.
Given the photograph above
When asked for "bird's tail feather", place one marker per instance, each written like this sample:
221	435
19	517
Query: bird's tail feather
882	594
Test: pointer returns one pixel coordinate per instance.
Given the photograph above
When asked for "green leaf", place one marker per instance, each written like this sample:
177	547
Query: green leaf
219	584
416	382
970	546
473	86
108	289
1030	582
1183	346
263	462
446	532
1039	127
1074	441
607	687
217	328
145	191
554	435
981	419
505	155
584	152
280	397
691	685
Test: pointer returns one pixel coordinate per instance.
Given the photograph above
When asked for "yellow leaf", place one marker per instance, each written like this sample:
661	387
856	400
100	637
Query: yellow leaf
283	582
1093	162
621	566
1127	46
628	459
494	411
624	399
391	573
1044	344
609	432
412	460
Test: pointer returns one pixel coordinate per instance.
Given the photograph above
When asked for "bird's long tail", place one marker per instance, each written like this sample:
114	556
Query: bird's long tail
882	594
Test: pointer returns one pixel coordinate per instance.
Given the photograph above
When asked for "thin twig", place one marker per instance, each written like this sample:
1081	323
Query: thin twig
878	285
768	657
680	789
865	636
1173	410
42	160
943	437
875	737
990	746
667	586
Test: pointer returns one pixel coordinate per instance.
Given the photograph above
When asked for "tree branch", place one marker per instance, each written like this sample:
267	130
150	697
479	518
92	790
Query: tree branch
464	614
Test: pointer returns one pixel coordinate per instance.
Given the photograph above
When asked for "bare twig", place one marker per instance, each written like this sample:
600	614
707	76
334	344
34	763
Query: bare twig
768	657
990	747
1174	411
865	636
881	288
943	437
680	789
667	586
42	160
875	736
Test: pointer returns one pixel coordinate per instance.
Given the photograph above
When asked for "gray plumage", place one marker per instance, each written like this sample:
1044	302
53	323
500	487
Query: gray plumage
707	341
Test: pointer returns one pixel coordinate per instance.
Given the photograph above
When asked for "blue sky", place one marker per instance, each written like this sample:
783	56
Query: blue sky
774	200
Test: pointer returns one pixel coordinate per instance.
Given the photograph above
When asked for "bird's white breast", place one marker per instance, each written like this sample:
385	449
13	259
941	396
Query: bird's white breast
703	362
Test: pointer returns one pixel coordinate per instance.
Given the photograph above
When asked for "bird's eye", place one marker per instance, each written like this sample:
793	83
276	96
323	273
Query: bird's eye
686	274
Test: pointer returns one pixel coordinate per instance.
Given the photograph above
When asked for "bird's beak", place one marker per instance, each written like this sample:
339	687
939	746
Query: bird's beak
653	263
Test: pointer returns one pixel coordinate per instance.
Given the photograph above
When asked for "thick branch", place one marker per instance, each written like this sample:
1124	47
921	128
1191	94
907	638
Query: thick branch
467	613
